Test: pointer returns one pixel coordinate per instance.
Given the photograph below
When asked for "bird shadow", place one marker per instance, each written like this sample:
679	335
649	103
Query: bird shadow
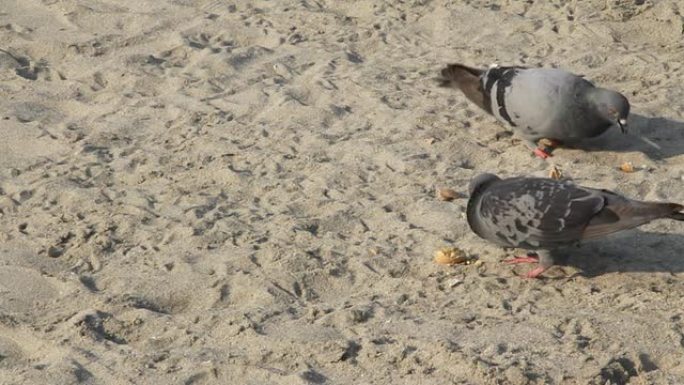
631	251
666	134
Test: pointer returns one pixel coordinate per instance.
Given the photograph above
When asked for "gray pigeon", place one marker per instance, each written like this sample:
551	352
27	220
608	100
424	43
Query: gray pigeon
546	214
540	103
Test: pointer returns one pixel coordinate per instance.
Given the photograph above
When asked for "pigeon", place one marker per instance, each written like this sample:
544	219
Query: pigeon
540	103
543	214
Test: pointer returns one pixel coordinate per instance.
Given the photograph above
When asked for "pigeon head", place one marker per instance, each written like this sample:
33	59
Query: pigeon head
612	106
481	181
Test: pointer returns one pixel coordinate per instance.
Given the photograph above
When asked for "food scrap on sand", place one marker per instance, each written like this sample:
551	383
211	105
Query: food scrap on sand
627	167
446	194
451	256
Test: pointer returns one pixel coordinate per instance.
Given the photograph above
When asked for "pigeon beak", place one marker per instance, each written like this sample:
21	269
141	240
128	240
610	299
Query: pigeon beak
623	125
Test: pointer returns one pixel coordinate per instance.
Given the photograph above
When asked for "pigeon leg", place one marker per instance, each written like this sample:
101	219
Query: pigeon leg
545	261
539	152
547	145
543	258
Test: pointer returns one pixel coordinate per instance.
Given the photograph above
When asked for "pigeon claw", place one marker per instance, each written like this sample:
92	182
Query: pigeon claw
536	272
529	258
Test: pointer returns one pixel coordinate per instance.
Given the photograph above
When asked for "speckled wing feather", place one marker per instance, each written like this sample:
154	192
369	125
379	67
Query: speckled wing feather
538	213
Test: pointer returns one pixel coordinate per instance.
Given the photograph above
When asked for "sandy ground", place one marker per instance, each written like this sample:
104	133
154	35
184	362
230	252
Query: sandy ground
207	192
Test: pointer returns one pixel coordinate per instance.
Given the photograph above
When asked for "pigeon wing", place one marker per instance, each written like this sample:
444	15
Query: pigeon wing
538	213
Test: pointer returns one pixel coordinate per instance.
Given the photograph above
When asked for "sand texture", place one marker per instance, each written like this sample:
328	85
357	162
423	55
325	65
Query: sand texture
217	192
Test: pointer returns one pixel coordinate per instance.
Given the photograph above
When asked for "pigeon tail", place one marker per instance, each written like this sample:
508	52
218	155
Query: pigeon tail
466	79
665	210
677	213
660	210
456	75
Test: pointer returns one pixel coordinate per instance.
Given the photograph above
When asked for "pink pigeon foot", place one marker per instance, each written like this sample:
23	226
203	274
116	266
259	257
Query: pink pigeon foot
529	258
541	153
536	272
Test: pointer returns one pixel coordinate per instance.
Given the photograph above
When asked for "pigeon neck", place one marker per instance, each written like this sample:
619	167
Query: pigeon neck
602	101
595	96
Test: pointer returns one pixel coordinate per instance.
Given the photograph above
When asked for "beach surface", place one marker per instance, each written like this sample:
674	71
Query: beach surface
212	192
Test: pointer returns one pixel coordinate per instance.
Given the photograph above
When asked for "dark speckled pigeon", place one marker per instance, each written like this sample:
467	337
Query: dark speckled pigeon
546	214
540	103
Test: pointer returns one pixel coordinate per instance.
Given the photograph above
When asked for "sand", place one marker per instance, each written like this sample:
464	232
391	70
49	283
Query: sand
207	192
